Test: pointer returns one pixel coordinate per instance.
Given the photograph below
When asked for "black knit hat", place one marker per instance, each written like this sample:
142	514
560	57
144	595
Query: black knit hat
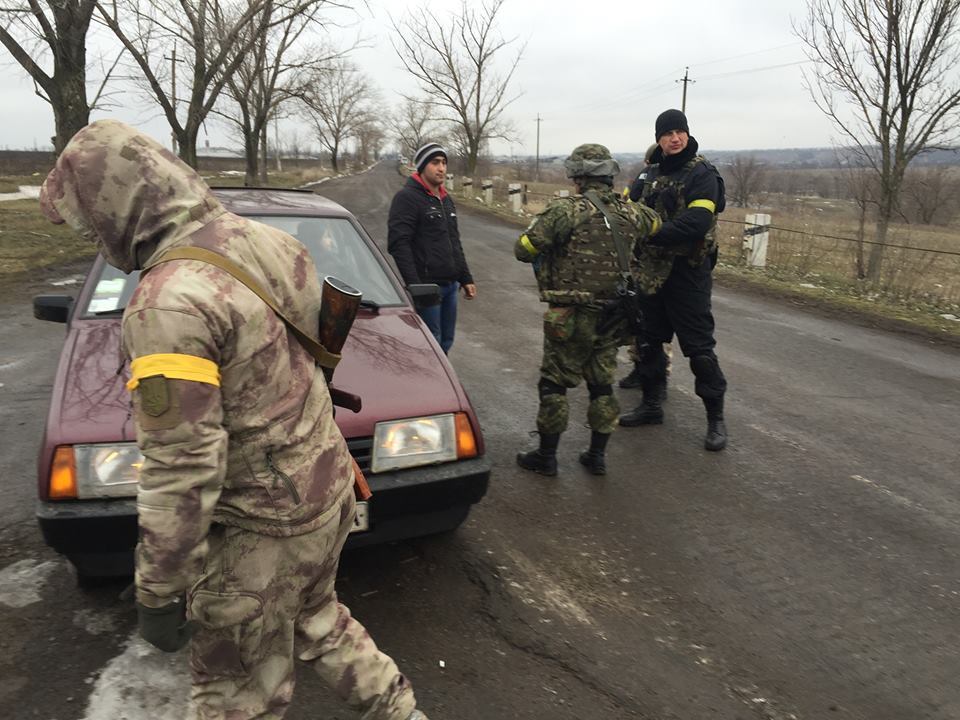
426	153
671	120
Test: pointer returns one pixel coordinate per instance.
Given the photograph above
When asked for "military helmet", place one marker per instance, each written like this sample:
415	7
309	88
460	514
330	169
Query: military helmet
591	160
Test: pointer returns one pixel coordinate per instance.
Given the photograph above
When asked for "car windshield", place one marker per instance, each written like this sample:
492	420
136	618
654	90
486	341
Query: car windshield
335	245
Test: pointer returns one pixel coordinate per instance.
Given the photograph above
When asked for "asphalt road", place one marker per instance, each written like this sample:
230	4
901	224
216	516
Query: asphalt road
809	571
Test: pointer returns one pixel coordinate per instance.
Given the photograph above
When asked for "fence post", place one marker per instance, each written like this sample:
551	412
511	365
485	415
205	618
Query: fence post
756	234
487	186
526	189
513	192
467	185
449	184
562	193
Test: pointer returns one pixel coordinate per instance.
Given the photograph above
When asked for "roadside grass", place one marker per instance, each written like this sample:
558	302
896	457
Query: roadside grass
29	243
12	183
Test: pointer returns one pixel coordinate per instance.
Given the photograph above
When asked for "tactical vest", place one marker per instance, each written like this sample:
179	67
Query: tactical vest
678	181
585	271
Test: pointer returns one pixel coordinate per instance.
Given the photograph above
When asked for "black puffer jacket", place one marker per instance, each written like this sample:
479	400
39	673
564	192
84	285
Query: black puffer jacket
423	238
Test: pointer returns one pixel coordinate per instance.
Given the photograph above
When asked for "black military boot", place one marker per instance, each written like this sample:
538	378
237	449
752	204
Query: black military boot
633	380
543	460
716	438
595	459
648	412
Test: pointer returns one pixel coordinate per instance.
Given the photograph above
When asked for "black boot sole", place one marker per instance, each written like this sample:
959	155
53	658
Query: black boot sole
628	421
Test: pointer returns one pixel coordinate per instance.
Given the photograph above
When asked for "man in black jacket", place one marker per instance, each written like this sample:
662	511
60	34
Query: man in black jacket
687	193
423	238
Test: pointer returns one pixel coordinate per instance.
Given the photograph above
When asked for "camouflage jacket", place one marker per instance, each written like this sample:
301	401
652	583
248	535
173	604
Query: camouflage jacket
233	418
573	250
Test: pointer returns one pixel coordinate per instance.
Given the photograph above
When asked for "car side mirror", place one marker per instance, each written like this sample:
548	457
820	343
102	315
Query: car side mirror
424	294
55	308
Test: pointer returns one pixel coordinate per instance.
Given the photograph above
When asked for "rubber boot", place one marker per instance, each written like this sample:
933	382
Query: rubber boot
595	459
648	412
543	460
633	380
716	438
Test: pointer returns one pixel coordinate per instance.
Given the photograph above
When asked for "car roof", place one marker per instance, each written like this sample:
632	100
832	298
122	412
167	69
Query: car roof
278	201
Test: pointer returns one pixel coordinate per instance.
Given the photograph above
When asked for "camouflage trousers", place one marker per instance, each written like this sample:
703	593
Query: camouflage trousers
576	348
263	600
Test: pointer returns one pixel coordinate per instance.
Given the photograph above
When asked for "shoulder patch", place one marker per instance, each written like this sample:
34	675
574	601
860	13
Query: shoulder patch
154	395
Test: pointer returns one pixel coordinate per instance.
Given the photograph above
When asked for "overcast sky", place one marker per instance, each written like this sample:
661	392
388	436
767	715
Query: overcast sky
595	72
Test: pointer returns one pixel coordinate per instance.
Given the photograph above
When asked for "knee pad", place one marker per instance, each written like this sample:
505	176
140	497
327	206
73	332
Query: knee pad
710	382
599	390
549	387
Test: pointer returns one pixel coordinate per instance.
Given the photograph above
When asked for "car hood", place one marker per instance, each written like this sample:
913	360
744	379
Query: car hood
388	360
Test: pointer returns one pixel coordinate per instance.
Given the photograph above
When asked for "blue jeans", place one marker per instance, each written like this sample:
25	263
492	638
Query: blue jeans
442	318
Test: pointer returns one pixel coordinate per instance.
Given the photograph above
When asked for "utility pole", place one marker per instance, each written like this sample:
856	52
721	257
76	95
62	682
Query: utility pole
173	93
685	80
537	171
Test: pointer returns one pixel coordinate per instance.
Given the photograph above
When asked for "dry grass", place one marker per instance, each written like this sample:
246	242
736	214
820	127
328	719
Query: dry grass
29	242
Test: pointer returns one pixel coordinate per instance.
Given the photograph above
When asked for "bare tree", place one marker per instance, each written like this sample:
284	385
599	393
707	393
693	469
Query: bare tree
215	39
370	134
335	101
885	76
270	73
31	30
930	194
747	176
411	126
454	61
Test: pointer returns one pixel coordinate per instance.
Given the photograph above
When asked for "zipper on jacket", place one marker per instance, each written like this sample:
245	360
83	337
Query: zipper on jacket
287	480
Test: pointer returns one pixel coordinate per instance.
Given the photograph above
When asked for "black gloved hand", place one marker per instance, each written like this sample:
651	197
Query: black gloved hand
166	627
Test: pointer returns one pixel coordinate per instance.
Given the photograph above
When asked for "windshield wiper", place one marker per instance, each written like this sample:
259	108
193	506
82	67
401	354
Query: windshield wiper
115	311
369	304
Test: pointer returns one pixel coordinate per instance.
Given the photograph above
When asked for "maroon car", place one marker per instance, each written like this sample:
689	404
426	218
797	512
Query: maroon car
416	438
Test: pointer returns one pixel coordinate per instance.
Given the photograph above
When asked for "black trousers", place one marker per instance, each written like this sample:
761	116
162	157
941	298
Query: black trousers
682	307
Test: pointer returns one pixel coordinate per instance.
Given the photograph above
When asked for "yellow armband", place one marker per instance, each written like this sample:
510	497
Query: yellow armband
174	366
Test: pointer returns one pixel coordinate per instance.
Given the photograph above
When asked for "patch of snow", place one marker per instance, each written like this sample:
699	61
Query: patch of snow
20	583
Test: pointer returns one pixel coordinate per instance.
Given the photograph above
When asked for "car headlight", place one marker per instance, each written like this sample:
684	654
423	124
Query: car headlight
421	441
107	470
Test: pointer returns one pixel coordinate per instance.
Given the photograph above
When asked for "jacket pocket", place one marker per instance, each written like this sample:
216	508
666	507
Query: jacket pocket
559	323
231	629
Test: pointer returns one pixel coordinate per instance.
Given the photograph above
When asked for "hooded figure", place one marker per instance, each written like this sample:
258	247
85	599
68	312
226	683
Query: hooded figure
245	496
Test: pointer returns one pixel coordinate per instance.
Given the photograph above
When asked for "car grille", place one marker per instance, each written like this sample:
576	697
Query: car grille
361	449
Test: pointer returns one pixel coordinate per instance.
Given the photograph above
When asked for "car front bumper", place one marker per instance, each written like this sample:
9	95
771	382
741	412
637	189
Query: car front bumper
99	535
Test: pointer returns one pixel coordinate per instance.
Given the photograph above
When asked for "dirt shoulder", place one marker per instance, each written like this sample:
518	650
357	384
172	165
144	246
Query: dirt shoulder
926	324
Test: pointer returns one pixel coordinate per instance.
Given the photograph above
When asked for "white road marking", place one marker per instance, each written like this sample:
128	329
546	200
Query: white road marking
142	683
20	583
554	596
11	364
778	436
899	499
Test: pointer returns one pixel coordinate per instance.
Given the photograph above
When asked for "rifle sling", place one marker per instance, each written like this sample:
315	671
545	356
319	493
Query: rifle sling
324	357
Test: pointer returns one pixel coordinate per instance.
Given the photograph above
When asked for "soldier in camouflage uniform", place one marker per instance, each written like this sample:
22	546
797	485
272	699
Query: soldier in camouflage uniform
675	274
572	246
246	489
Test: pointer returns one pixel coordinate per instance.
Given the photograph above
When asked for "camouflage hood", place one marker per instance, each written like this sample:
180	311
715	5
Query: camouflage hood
122	190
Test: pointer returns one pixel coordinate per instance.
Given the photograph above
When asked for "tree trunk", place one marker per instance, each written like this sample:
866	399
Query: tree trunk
861	270
262	175
875	259
70	110
250	155
333	158
187	140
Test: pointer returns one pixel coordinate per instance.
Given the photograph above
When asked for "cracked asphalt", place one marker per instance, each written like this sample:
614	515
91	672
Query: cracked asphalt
809	571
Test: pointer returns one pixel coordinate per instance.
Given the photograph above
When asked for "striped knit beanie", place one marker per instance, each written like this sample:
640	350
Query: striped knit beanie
427	153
